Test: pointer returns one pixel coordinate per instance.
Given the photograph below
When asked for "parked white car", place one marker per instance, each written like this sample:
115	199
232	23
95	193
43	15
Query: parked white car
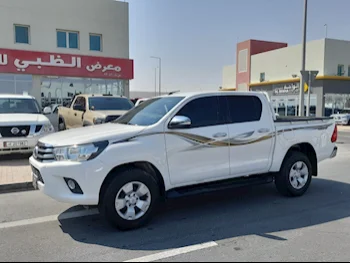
22	124
341	118
178	145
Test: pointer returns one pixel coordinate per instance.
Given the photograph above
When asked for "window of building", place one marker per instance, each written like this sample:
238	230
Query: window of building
67	39
21	34
95	42
244	109
262	76
243	61
341	71
203	112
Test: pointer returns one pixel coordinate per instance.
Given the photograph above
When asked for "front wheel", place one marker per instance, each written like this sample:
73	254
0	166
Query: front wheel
295	176
131	199
61	125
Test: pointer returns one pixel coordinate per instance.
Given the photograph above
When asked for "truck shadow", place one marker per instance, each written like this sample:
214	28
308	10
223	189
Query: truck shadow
214	217
15	160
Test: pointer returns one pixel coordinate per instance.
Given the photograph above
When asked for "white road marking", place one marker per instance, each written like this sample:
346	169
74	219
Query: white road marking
47	219
174	252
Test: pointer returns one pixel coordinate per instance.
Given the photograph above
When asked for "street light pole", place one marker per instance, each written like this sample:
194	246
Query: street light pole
160	73
155	82
326	29
302	80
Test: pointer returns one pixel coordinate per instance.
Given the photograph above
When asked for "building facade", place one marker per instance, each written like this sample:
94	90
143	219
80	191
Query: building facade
52	50
277	72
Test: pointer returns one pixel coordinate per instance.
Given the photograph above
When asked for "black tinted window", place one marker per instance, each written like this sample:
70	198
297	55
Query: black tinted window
202	112
244	108
109	103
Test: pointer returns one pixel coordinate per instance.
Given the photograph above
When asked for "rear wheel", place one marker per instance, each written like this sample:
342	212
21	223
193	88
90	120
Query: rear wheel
131	199
295	176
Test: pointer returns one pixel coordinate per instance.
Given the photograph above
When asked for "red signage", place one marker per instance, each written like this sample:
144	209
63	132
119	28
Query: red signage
64	65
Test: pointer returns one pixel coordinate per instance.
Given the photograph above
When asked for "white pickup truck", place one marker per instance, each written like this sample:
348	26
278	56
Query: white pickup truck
178	145
21	124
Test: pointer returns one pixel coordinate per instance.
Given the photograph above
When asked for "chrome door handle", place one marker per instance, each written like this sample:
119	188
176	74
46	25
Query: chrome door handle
264	130
220	135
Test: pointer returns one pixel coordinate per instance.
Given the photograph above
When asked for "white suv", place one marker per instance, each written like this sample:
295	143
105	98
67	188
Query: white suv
21	124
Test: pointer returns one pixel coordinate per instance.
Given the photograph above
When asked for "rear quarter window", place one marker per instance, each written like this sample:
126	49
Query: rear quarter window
243	109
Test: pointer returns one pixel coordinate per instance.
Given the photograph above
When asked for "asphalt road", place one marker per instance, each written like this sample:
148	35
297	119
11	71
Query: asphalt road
249	224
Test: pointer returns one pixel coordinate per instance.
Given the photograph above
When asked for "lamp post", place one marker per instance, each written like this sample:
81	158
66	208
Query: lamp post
160	73
302	80
326	29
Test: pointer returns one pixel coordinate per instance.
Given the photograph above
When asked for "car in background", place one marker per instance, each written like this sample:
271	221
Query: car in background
342	117
88	110
22	124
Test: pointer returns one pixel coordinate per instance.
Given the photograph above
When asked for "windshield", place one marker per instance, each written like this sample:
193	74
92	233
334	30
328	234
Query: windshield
18	106
110	103
149	112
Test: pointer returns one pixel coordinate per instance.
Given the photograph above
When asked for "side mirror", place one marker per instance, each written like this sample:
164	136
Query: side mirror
78	107
47	110
180	122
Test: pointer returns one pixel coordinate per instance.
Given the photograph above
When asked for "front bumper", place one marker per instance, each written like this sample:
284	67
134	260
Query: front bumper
89	175
28	148
334	153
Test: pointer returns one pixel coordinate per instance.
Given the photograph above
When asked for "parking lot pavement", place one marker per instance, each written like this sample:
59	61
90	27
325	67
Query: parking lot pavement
14	169
248	224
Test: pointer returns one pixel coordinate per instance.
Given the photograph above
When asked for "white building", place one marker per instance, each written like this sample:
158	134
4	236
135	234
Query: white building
275	68
64	47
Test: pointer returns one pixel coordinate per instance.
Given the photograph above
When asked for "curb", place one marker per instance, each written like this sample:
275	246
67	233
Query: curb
19	187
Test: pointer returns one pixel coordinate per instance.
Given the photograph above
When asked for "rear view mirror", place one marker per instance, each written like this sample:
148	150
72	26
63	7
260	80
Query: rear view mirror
180	122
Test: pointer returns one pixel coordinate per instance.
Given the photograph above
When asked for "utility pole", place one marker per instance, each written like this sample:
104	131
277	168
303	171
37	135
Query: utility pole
160	73
302	80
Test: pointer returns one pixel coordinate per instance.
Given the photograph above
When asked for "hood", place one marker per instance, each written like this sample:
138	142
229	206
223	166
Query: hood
91	134
22	119
110	113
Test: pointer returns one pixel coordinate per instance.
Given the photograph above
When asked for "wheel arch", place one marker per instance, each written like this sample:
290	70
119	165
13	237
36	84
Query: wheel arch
309	151
143	165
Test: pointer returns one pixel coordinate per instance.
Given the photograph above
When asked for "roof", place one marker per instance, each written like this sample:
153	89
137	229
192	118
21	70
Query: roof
100	96
15	96
213	93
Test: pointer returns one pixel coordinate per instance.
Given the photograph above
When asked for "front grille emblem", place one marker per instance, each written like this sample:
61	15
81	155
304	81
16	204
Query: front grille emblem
15	131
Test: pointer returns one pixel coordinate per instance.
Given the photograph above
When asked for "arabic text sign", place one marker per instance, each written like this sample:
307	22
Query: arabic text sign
53	64
287	89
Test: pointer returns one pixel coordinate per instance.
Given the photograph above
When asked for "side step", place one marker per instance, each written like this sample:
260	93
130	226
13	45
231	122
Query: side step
220	185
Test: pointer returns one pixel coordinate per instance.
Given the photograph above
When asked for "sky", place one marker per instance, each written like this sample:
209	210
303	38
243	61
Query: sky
196	38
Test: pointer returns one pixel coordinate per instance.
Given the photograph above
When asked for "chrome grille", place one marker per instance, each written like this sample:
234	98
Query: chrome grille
43	152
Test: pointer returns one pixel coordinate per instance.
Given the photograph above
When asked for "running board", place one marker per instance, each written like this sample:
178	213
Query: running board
220	185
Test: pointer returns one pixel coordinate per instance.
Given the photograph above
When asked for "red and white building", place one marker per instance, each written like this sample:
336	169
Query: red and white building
54	49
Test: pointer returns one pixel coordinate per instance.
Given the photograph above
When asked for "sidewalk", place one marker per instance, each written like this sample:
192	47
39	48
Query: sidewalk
343	128
15	173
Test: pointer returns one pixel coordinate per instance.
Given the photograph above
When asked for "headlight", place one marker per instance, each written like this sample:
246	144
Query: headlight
99	120
80	153
48	128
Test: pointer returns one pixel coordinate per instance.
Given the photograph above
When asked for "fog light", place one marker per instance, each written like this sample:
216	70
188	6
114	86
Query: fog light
73	186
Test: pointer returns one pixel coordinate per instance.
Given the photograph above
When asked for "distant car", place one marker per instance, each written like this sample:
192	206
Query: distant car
88	110
22	124
341	118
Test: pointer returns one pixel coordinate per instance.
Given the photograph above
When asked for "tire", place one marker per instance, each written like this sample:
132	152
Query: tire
286	180
115	191
61	125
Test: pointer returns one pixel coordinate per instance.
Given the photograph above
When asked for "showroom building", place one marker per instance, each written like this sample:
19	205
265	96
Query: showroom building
275	68
53	50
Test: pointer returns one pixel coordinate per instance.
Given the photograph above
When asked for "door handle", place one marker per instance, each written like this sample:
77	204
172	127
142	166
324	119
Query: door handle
264	130
220	135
